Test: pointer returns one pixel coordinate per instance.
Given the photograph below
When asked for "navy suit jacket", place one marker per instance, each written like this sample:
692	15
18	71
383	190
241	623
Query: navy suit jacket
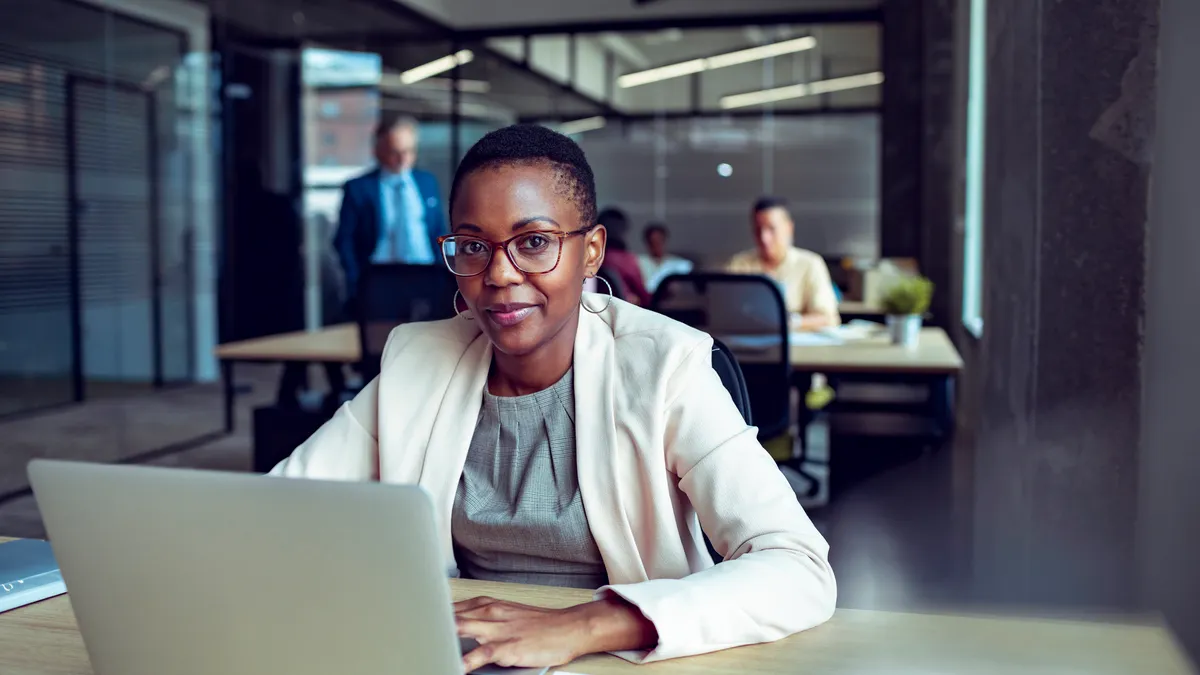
359	222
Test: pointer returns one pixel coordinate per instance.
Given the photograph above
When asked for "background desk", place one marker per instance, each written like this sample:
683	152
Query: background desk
933	355
335	344
857	309
933	362
43	639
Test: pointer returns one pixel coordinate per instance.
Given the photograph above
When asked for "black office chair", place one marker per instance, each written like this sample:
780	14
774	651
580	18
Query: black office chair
733	306
614	281
726	365
392	294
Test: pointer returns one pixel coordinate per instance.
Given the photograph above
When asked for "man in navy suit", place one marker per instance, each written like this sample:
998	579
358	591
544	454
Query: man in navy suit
393	213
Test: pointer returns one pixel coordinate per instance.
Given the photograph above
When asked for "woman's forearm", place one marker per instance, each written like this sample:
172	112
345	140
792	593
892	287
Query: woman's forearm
613	624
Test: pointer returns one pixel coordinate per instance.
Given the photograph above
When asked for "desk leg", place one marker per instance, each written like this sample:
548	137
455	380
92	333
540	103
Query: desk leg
227	383
292	380
804	419
941	399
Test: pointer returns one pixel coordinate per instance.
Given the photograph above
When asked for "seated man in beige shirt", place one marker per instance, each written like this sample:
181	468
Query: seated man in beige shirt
803	276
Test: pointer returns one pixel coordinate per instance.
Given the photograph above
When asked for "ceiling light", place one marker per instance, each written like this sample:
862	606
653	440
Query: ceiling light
801	90
580	126
724	170
761	53
437	66
392	81
713	62
664	73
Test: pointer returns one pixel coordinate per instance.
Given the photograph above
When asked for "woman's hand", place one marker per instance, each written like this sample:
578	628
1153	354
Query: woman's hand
510	634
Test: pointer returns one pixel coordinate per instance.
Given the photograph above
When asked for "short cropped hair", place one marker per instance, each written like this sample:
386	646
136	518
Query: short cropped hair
389	124
655	227
767	202
530	144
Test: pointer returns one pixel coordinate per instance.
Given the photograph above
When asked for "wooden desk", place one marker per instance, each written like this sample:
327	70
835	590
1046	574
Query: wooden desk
339	344
334	344
857	309
43	639
933	363
934	355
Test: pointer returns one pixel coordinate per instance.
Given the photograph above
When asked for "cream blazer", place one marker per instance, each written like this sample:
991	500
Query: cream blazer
661	452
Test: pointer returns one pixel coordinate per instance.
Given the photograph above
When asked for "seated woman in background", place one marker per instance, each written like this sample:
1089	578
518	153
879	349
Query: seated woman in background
571	439
619	261
656	264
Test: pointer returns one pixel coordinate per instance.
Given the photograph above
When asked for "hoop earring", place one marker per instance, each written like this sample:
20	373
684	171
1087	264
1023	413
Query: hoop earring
606	305
461	314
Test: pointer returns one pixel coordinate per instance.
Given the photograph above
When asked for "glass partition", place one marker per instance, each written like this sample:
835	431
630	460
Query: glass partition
701	176
685	127
96	208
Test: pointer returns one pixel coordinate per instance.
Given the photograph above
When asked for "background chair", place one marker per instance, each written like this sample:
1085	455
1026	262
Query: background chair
748	315
618	287
392	294
726	365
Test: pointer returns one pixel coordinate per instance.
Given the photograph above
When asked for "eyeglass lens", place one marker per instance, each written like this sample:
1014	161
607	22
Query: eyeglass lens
532	253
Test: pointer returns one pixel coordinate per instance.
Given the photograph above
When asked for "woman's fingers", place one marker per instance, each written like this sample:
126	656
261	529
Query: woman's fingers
484	654
483	630
472	603
517	652
498	611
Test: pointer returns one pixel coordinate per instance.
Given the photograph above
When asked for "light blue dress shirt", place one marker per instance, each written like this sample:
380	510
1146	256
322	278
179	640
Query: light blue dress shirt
654	271
403	235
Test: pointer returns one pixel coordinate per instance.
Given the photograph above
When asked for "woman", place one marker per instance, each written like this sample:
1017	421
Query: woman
573	439
619	261
656	264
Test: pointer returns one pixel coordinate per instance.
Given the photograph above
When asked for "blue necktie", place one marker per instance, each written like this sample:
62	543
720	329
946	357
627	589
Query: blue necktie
399	222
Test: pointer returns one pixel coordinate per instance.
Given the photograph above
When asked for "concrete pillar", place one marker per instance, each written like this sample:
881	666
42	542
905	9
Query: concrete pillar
1070	92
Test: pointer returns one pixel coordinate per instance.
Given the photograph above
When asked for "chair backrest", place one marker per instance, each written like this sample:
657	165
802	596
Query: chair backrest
747	313
726	365
618	286
392	294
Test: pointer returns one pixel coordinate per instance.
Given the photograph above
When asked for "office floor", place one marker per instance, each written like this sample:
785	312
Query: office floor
891	536
31	394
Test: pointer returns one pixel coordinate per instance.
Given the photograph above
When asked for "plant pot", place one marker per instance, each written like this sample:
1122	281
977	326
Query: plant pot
904	329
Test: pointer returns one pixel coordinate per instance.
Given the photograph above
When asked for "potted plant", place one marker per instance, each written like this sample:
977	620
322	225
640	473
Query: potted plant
905	304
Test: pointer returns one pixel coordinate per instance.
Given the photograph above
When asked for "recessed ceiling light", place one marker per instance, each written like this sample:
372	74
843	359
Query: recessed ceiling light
580	126
713	62
437	66
801	90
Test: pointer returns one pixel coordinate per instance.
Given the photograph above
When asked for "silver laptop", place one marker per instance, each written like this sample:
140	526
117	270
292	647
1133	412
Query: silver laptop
196	572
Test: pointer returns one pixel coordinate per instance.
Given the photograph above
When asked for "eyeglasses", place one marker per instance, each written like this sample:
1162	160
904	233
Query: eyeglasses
530	252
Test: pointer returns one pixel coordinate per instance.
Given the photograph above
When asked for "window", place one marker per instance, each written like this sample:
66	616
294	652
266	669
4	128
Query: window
974	175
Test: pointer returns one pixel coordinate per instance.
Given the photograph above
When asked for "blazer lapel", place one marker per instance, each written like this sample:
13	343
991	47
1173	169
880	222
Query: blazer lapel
605	481
375	199
453	427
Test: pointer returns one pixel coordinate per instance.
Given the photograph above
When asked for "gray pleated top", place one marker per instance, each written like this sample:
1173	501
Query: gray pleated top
518	516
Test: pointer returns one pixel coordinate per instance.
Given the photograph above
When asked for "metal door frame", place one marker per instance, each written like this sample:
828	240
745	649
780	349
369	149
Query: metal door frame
73	80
